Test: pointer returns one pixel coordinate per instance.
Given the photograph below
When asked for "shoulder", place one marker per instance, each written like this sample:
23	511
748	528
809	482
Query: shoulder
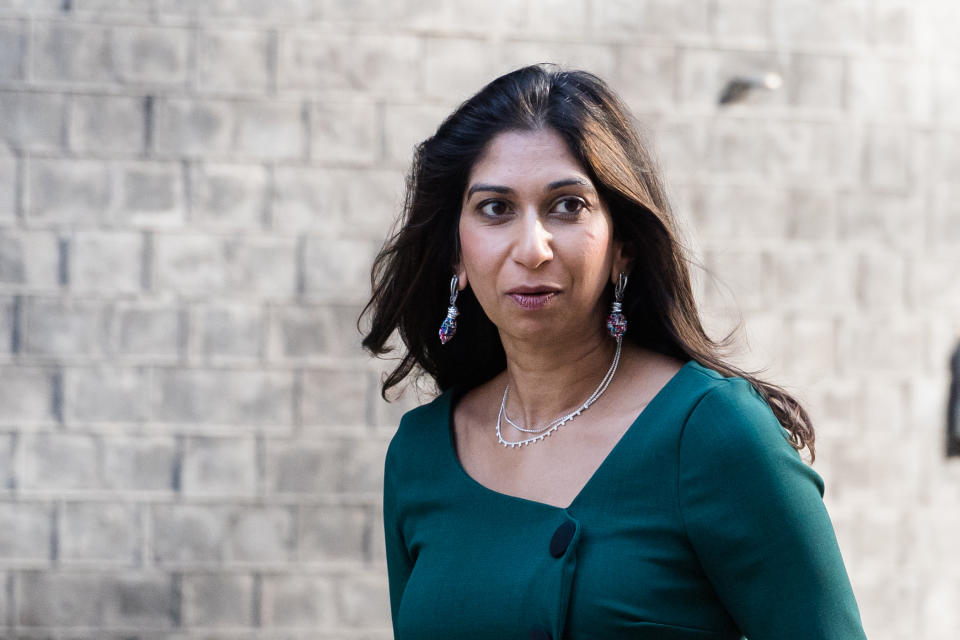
418	428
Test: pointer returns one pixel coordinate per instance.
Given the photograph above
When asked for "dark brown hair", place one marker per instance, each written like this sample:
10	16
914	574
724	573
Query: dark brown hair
411	274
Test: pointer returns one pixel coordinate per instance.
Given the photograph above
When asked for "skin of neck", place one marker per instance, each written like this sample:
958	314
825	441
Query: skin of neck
554	376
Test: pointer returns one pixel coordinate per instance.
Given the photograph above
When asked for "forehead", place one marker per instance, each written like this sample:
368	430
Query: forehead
522	156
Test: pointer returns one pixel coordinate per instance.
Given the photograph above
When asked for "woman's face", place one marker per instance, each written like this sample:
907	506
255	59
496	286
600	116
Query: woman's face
537	243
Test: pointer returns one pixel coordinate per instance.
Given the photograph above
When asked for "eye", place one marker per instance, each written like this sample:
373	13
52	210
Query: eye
570	206
494	208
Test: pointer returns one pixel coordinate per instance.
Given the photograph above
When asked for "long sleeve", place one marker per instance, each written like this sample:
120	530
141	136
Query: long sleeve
754	513
399	564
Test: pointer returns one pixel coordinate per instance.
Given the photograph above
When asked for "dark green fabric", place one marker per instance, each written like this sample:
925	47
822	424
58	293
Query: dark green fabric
702	523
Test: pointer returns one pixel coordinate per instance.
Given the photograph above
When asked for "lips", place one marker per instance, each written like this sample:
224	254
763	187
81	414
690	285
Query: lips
533	297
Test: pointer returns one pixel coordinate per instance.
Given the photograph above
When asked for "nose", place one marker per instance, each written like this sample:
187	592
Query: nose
532	247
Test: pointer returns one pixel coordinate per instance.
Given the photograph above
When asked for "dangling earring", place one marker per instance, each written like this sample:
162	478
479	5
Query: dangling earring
616	321
449	326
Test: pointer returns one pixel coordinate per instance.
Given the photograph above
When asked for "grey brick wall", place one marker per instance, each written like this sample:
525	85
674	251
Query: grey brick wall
191	193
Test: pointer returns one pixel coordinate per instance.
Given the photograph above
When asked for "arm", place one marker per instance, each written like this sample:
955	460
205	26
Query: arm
755	516
399	564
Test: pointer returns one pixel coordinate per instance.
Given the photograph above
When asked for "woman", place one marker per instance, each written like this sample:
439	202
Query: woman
592	468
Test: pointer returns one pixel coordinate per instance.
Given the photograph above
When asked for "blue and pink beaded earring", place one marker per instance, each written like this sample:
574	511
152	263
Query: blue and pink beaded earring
449	325
616	321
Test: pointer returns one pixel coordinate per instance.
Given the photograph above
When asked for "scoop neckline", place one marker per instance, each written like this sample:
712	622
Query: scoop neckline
455	394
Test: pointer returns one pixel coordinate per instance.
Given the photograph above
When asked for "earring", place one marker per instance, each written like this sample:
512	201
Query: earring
616	321
449	326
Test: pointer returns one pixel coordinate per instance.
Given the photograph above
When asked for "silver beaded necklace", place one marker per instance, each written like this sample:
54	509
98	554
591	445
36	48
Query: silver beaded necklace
553	425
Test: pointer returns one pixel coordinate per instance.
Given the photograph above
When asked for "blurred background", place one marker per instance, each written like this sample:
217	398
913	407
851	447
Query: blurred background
191	194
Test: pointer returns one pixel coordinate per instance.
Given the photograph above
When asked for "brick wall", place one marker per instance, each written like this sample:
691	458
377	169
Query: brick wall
191	193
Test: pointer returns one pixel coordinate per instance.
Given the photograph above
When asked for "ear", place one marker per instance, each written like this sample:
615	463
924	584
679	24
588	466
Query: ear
622	261
461	272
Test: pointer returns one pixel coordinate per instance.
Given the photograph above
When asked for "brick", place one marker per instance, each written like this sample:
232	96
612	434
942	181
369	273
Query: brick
301	333
890	220
189	127
880	279
188	533
60	462
891	25
813	278
27	532
455	68
892	344
7	327
299	467
105	394
106	262
812	215
26	393
149	330
947	156
374	65
945	217
139	463
67	191
364	601
811	346
338	266
838	25
892	88
223	397
234	196
884	404
600	59
32	121
8	465
219	466
660	17
741	279
407	125
946	93
100	532
217	600
53	598
299	601
152	55
801	153
58	327
646	76
741	20
279	10
104	124
737	146
938	618
270	130
933	282
741	211
704	74
229	332
309	199
147	601
151	194
556	16
235	61
204	265
9	181
334	397
344	132
72	53
261	534
362	471
817	82
12	41
888	158
29	258
333	534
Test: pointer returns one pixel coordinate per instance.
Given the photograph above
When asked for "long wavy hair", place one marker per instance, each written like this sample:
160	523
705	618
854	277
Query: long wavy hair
411	274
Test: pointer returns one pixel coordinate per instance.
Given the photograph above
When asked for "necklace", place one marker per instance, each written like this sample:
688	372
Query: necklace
553	425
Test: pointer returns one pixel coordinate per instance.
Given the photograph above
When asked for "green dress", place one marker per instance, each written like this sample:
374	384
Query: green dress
701	523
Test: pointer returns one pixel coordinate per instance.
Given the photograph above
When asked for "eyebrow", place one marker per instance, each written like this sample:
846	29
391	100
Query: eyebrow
550	187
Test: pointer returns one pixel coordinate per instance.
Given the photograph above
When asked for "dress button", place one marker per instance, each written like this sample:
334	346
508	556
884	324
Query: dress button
561	538
539	634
